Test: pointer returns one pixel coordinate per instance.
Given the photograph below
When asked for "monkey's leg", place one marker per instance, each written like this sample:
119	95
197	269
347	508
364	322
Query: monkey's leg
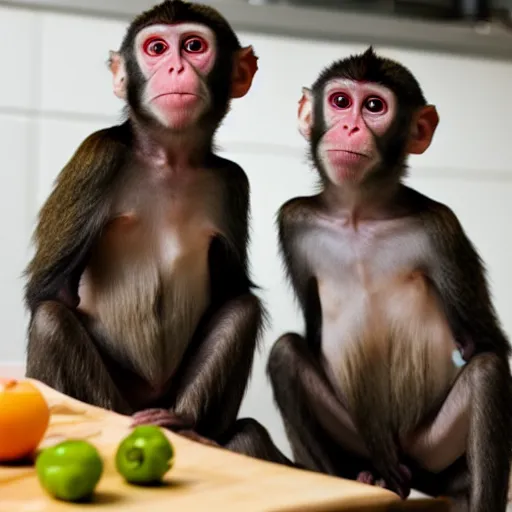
475	419
212	384
249	437
61	354
246	436
321	433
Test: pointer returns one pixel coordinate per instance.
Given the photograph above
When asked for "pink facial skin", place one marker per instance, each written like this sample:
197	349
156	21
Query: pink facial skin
175	59
354	111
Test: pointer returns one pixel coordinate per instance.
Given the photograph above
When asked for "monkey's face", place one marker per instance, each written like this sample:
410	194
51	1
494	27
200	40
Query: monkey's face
179	65
175	61
355	115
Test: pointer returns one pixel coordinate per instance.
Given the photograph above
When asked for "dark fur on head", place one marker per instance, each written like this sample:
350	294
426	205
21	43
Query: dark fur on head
369	67
178	11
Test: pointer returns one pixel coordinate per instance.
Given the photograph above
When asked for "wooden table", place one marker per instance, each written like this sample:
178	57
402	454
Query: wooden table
203	478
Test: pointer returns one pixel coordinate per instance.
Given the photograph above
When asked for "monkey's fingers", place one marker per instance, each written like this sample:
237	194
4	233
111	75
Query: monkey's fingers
148	411
397	480
400	481
150	416
366	477
405	472
194	436
381	483
401	487
161	418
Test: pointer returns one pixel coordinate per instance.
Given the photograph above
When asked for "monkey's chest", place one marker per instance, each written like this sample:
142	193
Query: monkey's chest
158	248
147	285
380	316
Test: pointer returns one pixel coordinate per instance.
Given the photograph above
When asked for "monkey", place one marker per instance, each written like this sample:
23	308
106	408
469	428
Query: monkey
401	378
139	291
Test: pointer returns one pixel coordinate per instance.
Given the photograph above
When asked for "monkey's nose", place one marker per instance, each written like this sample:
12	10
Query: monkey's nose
351	129
176	68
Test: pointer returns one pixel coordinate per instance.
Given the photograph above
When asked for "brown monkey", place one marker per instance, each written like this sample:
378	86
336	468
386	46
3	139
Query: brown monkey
139	290
402	378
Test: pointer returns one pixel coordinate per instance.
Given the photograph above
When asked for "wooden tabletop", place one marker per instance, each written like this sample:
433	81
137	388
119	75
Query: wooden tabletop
203	478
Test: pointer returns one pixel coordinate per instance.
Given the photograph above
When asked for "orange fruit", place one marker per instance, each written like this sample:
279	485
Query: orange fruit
24	418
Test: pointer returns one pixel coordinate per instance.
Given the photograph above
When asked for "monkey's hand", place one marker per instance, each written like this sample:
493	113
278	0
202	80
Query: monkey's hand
180	424
402	487
162	418
194	436
368	478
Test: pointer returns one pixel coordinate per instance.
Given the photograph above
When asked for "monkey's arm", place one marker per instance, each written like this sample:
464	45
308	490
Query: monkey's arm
293	220
72	217
458	275
62	354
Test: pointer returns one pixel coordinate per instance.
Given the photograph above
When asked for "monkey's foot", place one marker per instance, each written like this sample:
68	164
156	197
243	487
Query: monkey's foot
162	418
403	489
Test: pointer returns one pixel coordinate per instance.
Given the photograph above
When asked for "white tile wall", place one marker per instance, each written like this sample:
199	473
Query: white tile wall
474	132
14	226
19	34
61	88
75	77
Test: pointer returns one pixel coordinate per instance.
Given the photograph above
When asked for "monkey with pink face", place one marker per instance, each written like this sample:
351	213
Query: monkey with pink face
139	290
402	377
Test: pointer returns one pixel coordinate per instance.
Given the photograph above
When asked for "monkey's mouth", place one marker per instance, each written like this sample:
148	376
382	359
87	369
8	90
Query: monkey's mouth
176	97
343	158
348	153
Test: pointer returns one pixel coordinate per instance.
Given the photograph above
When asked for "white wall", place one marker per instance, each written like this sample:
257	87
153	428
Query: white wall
56	89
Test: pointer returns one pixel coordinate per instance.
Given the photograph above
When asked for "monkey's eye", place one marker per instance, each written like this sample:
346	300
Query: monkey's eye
156	47
194	45
340	100
375	105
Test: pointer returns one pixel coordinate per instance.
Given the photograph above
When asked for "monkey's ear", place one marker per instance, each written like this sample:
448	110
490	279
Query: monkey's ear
305	113
116	65
245	65
423	128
